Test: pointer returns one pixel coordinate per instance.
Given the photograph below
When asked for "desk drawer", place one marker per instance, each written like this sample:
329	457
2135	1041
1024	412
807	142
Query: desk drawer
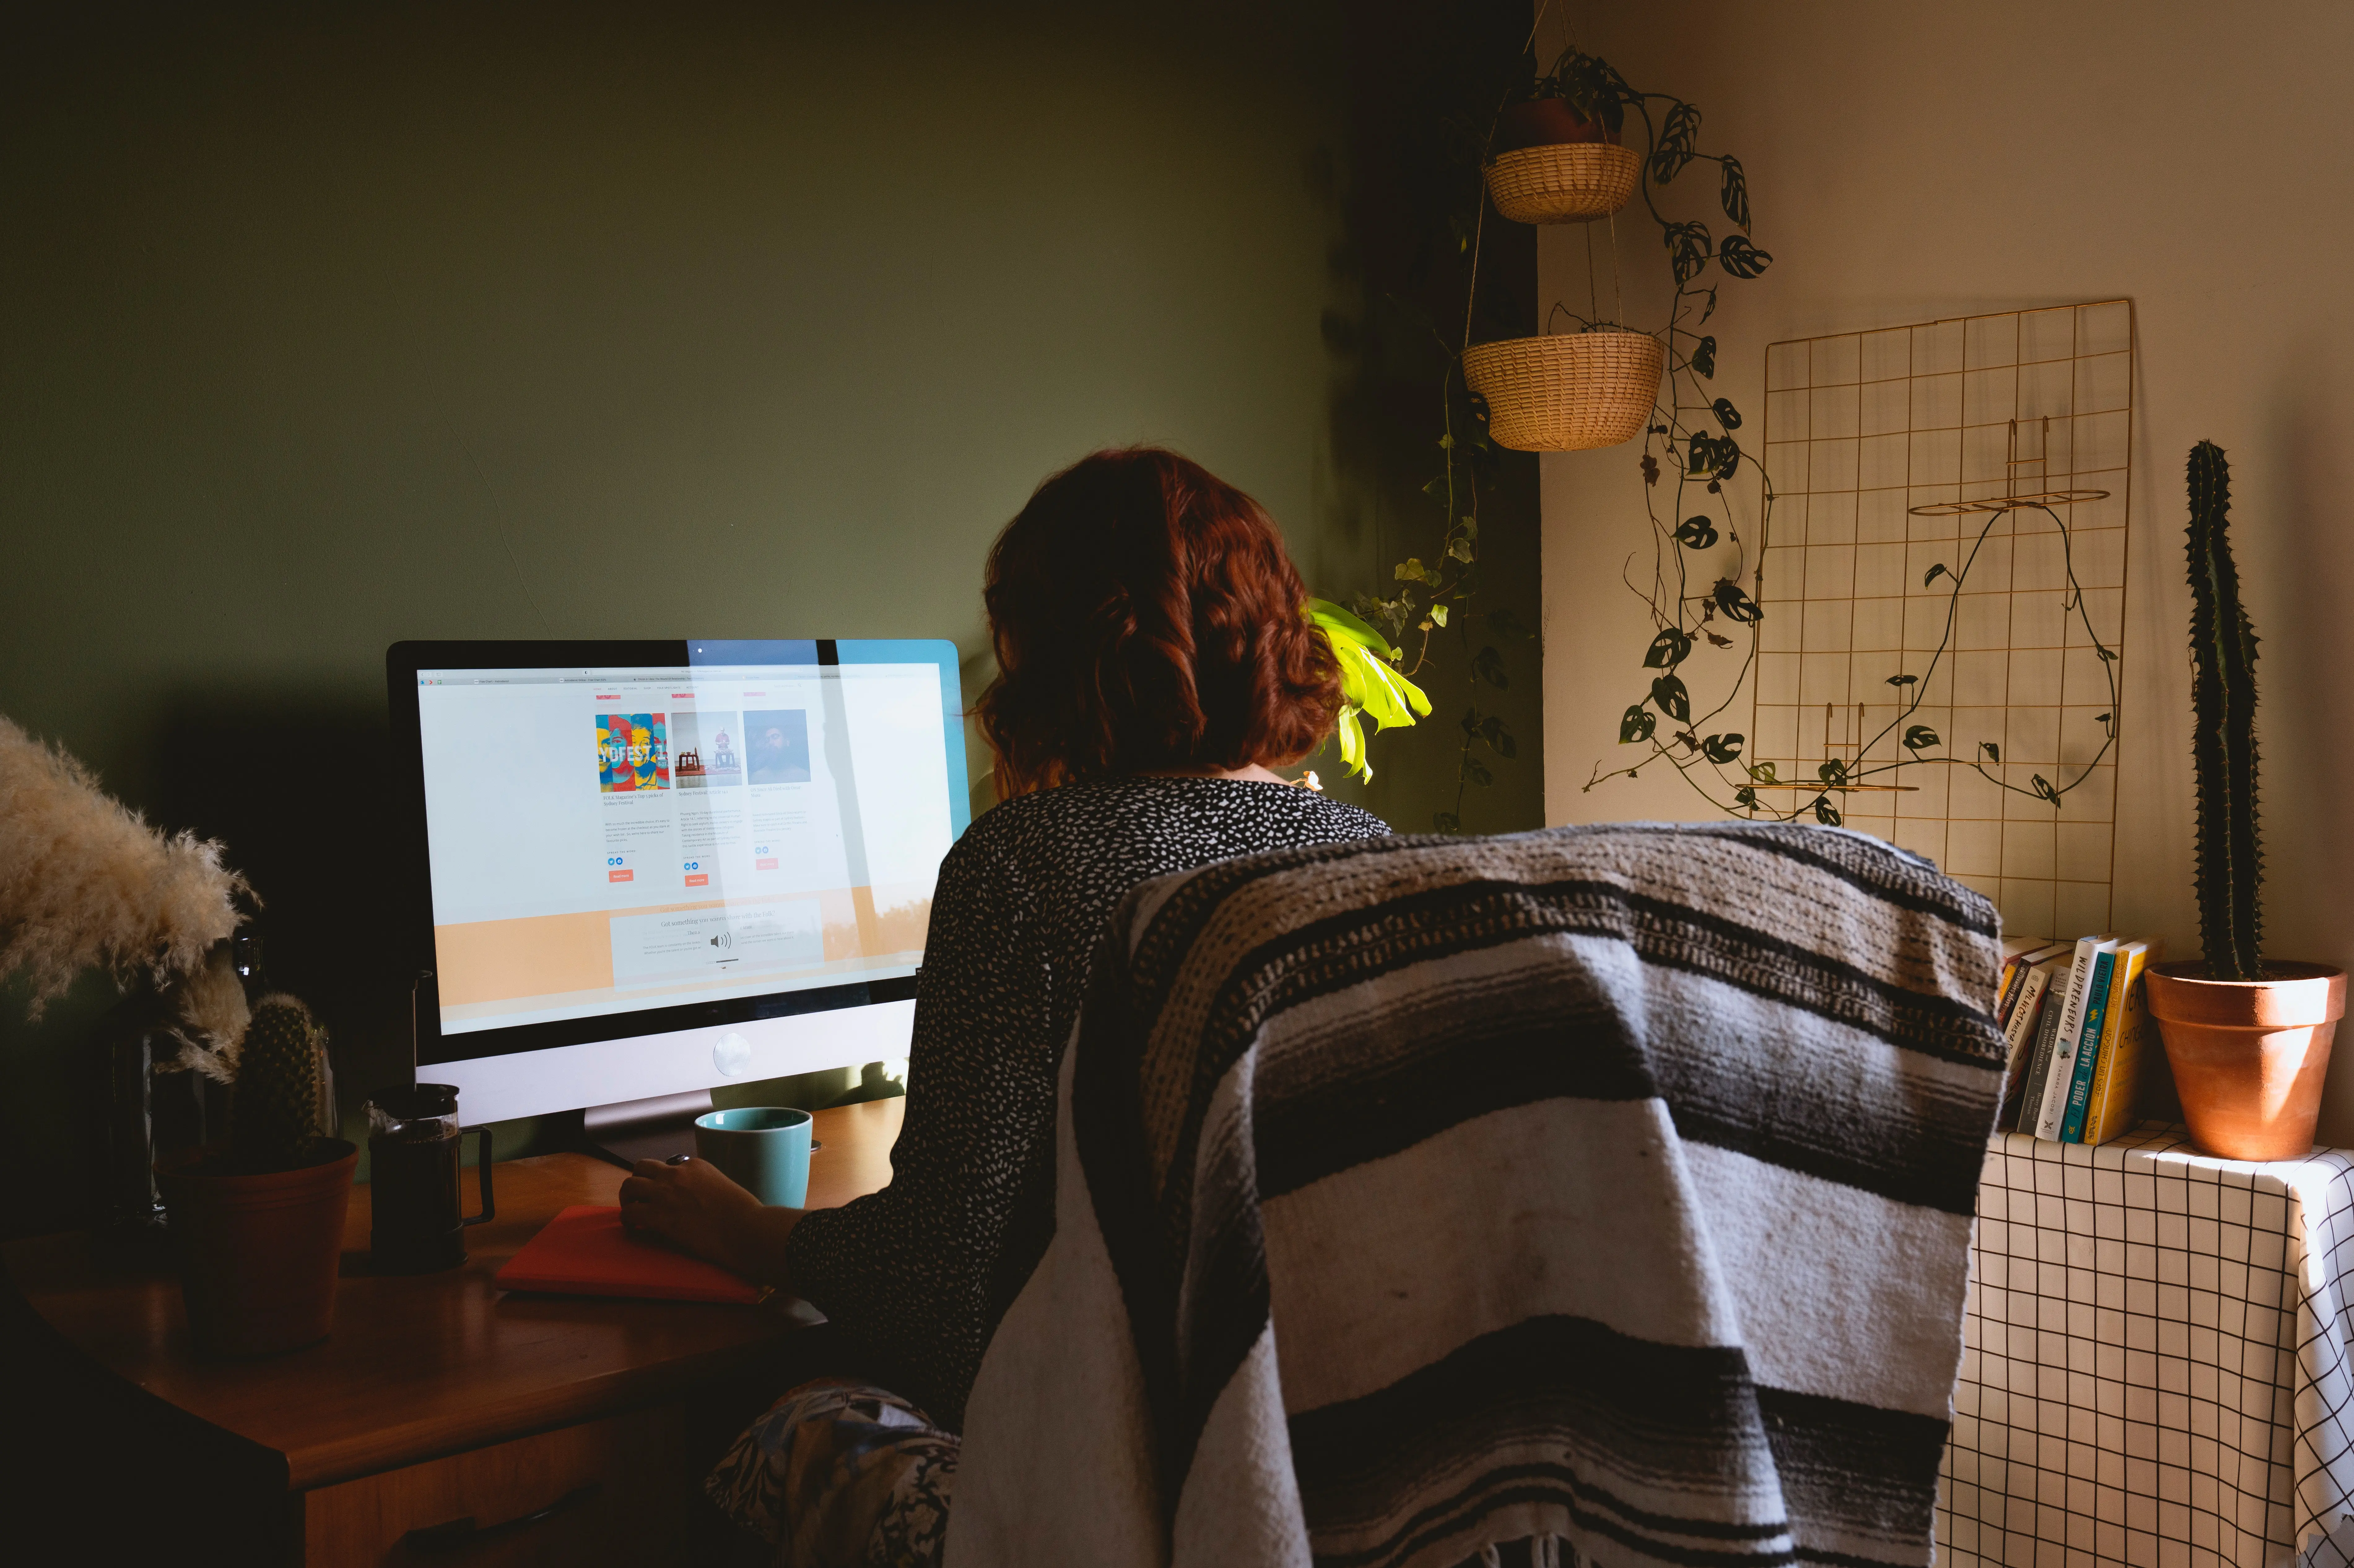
613	1490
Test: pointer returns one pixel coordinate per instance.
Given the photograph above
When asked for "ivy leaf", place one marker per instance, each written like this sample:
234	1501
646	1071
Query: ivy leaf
1461	550
1488	665
1826	813
1733	193
1668	650
1741	258
1722	747
1920	738
1412	570
1696	534
1438	613
1934	573
1902	680
1679	139
1673	700
1636	724
1650	469
1726	414
1736	605
1688	250
1703	357
1993	752
1746	796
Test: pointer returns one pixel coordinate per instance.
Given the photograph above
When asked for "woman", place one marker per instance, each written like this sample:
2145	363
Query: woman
1155	659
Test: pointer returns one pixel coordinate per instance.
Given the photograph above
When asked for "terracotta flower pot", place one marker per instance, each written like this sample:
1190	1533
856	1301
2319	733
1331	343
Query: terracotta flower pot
1548	122
2249	1056
258	1255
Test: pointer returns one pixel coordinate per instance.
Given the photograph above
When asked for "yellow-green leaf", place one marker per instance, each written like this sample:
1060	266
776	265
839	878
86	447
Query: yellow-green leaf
1352	745
1340	625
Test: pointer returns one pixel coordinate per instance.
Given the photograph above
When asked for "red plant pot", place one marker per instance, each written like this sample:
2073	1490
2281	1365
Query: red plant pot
2249	1057
258	1255
1547	123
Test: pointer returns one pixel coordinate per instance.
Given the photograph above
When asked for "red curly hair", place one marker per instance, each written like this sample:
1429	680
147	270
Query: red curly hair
1147	618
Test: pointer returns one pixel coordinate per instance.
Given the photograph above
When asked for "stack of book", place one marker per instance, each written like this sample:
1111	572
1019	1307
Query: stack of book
2073	1019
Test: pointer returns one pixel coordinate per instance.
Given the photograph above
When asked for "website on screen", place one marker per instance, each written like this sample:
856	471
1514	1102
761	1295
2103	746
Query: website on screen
610	840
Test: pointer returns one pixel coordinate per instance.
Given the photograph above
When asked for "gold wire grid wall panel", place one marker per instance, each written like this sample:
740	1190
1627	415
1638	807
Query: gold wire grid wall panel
1998	446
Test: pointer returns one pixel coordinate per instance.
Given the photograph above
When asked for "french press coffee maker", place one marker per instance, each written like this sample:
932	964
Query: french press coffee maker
413	1135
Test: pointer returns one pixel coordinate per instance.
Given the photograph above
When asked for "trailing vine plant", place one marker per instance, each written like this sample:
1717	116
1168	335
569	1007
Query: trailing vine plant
1440	595
1700	560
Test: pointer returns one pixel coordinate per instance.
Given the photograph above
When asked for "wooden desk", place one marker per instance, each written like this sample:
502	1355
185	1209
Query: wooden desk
524	1390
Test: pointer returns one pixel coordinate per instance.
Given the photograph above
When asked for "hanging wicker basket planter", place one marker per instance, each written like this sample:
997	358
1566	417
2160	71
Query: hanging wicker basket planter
1566	181
1566	393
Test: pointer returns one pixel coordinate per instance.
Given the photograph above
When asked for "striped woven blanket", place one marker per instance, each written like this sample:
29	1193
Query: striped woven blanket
1609	1186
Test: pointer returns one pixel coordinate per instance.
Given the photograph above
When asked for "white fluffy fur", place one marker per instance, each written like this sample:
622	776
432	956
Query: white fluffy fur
86	883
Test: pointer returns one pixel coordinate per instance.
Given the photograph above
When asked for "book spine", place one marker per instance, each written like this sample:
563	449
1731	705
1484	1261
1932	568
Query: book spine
2014	975
2019	1042
2112	1109
2088	1049
2039	1071
2053	1106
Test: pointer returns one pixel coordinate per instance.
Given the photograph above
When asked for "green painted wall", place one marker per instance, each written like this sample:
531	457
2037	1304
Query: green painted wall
326	327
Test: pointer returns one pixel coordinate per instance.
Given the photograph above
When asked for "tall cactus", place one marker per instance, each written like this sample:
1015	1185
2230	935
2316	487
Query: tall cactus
282	1102
2223	738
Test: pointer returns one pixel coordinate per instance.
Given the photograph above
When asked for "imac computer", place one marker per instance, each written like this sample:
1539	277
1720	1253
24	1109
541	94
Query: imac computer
654	868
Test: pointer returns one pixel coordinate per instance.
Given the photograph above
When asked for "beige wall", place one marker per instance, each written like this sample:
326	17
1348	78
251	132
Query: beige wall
1910	161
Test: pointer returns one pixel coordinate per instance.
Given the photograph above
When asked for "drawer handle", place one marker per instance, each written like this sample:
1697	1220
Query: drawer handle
458	1534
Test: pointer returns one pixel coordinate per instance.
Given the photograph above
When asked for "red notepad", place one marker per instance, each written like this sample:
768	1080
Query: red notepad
584	1251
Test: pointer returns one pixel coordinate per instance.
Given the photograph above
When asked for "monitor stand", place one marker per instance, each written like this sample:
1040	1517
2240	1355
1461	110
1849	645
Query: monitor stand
624	1133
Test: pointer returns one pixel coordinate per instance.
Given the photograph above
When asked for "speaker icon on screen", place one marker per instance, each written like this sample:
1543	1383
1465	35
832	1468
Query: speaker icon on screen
724	939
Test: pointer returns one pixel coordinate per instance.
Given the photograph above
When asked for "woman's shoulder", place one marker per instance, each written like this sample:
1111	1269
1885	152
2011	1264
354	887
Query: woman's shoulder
1122	806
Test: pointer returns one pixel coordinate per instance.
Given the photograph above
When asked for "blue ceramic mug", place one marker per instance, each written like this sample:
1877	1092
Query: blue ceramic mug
765	1149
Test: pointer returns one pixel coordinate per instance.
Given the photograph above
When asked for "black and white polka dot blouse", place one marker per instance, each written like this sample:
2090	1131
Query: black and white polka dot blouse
918	1274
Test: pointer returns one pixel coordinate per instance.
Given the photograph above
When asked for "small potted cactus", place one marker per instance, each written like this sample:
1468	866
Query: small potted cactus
258	1222
2248	1037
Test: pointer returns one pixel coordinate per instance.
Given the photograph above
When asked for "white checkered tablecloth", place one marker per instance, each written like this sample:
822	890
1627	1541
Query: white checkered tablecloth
2156	1367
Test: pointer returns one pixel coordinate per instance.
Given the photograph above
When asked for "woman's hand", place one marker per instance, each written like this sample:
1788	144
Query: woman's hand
694	1206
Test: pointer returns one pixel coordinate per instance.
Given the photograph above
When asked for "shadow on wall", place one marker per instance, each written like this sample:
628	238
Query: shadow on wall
304	792
1420	77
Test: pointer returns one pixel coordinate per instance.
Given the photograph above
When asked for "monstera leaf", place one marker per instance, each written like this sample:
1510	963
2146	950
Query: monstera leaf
1371	684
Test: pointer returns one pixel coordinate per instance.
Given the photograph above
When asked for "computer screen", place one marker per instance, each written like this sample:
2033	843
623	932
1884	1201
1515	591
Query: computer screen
647	840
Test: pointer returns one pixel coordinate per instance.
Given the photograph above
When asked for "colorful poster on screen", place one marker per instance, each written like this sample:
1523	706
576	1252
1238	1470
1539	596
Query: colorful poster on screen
703	750
632	752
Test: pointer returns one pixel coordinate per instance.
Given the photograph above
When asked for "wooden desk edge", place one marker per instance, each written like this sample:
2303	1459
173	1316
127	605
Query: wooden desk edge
380	1449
